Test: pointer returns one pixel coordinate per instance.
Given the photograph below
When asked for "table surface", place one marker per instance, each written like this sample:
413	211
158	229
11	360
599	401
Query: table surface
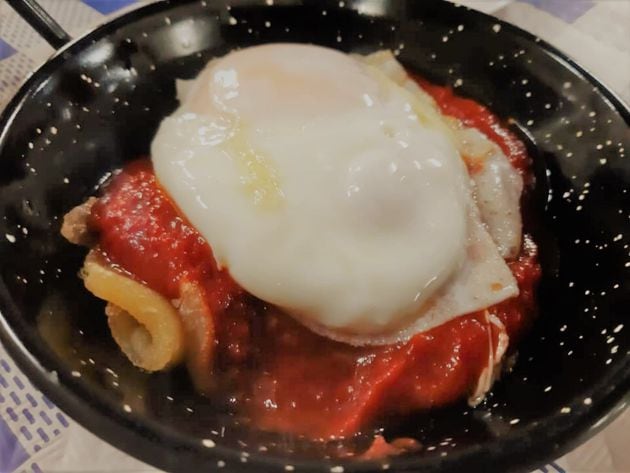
35	436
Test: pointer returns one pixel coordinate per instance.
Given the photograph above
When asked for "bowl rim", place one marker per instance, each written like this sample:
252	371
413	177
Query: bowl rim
553	437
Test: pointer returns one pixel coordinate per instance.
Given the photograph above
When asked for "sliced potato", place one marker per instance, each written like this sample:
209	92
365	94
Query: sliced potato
144	324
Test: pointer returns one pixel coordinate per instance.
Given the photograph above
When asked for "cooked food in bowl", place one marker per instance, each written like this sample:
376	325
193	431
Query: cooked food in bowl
322	238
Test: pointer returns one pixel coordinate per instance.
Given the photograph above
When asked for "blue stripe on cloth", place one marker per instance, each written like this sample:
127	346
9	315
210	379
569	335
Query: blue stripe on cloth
16	398
6	50
43	435
62	419
11	413
45	417
27	434
107	6
567	10
12	454
4	363
18	382
32	400
29	417
558	468
49	404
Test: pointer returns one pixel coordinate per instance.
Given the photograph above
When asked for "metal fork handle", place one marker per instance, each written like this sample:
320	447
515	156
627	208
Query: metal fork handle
33	13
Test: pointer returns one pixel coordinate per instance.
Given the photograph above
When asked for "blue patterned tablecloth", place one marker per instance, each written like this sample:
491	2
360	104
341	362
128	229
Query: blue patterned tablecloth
35	436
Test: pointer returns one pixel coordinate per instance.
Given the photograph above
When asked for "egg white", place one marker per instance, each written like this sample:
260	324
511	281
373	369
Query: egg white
331	189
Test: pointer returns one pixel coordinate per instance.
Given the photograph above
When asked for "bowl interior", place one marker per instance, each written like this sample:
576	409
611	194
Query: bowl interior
98	104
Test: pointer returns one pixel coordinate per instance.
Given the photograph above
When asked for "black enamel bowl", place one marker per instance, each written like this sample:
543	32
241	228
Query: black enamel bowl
97	103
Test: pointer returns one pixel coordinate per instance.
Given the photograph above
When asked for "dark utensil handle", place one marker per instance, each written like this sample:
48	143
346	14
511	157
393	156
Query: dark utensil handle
41	21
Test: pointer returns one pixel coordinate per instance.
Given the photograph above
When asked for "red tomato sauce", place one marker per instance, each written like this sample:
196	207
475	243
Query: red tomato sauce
141	230
475	115
279	374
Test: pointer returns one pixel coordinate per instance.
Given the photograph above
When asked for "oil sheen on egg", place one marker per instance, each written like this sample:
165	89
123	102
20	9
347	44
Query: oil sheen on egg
321	184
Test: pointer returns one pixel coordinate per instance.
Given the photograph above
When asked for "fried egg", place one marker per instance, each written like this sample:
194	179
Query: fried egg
329	187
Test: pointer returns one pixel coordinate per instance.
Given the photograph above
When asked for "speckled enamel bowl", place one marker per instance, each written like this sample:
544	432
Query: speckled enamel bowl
97	103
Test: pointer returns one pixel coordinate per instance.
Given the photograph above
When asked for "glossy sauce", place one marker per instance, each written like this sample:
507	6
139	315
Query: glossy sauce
275	372
475	115
141	230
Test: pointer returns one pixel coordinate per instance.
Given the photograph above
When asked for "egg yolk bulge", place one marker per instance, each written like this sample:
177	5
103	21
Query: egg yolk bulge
325	187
